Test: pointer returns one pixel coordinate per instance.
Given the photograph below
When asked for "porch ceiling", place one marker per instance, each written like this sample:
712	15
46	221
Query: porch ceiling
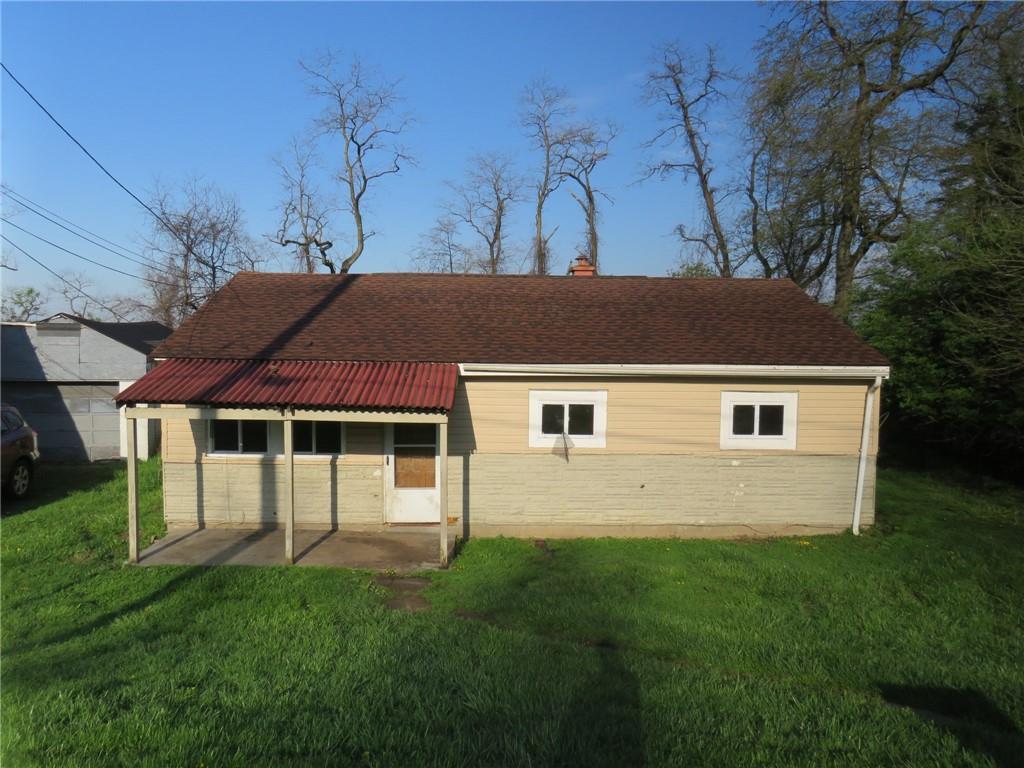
423	387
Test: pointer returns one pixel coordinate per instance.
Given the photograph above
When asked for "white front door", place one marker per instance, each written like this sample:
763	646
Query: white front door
413	474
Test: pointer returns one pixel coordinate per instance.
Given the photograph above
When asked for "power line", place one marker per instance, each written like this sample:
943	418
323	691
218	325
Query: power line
85	258
39	213
74	287
88	154
168	225
28	202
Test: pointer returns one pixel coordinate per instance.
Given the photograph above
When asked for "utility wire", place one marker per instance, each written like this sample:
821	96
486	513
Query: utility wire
140	262
88	154
86	258
168	225
29	203
74	287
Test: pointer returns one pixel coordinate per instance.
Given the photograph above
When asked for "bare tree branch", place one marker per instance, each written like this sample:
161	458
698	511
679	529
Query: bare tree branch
545	107
482	203
363	113
685	90
580	150
303	216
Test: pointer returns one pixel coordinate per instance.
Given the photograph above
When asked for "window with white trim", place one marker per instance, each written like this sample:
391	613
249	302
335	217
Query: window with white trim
568	417
759	420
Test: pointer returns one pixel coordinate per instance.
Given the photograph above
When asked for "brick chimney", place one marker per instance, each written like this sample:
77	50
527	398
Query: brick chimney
582	267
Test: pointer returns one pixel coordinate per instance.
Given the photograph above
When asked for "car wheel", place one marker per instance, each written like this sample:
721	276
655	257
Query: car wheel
21	479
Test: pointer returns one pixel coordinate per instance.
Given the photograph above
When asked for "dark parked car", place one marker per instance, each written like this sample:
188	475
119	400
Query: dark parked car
20	452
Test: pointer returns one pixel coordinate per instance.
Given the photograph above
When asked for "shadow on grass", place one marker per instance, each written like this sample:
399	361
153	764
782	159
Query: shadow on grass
602	725
53	481
108	618
968	714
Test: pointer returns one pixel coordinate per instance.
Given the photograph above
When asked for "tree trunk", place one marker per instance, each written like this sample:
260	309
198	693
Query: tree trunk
540	246
592	226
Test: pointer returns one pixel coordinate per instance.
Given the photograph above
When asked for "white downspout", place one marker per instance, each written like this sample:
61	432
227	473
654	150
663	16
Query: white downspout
865	443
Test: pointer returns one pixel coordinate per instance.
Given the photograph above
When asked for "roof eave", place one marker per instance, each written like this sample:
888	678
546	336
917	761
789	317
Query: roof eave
870	372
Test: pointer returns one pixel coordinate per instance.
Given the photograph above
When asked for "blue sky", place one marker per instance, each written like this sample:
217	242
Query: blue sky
166	91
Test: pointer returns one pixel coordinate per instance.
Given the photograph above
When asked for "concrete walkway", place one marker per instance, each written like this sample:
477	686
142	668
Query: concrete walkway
402	549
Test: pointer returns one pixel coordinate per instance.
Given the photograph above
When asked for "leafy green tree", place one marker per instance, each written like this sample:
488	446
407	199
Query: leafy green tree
949	308
22	304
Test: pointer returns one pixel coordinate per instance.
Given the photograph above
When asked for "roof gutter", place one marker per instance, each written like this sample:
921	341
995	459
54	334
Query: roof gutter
865	444
753	371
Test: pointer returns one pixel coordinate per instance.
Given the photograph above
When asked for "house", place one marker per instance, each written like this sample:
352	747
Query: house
63	373
531	406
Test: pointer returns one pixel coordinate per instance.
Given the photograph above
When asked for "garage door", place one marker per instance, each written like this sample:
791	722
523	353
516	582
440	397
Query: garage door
75	422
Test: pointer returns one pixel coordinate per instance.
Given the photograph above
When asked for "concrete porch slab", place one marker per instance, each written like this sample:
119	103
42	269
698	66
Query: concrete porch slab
402	549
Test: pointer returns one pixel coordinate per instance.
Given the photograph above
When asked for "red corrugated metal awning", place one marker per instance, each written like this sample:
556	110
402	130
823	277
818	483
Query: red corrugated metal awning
300	384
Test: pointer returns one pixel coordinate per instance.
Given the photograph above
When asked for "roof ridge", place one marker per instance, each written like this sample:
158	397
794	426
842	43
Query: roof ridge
508	276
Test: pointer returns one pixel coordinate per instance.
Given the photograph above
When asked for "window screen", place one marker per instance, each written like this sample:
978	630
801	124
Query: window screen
415	434
302	436
225	435
254	437
770	420
328	437
581	419
552	419
743	420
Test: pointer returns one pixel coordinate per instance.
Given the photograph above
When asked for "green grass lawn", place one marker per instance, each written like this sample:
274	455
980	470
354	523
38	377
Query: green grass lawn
902	647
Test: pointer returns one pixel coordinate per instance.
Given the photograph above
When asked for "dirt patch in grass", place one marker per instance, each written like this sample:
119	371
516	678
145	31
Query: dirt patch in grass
406	593
462	613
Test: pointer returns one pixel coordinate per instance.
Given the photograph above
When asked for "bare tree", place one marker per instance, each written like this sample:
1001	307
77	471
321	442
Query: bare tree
439	249
544	108
583	148
363	113
482	202
686	90
82	298
200	242
861	76
791	208
75	289
303	214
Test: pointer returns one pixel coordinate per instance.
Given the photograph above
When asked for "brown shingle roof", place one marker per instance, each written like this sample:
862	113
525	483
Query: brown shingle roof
517	319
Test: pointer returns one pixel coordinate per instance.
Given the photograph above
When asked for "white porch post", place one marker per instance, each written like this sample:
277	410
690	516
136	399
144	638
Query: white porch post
289	531
443	451
133	494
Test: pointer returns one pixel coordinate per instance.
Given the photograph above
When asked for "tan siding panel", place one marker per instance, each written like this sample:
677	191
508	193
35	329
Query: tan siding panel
653	415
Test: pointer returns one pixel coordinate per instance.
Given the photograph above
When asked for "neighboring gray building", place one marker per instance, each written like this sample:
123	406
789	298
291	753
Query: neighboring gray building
62	373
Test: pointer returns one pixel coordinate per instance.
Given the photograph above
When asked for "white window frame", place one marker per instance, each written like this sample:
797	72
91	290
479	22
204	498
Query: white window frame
541	397
784	442
209	440
313	454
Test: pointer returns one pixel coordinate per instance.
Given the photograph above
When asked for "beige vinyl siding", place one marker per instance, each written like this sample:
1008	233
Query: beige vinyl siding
655	416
